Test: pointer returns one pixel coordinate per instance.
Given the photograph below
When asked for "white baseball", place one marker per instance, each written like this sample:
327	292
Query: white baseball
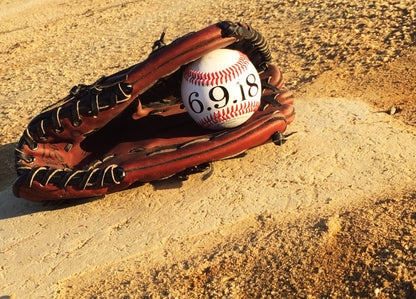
221	90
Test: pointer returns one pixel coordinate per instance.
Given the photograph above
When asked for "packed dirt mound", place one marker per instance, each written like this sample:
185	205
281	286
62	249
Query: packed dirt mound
339	152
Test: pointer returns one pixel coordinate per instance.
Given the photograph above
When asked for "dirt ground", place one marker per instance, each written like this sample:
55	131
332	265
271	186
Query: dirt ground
330	214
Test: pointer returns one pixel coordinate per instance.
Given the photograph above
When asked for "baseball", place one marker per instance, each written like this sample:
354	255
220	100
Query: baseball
221	90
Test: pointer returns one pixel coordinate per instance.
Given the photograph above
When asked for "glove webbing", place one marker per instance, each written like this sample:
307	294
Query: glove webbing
255	45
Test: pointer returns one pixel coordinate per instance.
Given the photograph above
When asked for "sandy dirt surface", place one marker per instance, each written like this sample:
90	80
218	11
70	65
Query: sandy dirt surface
331	213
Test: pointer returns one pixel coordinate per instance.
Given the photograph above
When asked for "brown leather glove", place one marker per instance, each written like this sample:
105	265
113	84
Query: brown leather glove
132	127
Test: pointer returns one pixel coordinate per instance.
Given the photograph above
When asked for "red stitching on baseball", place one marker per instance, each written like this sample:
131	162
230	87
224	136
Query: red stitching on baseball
219	77
229	113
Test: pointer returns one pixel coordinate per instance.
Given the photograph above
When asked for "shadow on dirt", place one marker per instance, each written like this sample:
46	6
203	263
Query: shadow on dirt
12	206
7	172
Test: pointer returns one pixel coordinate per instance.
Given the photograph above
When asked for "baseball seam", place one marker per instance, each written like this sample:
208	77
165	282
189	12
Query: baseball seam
219	77
229	113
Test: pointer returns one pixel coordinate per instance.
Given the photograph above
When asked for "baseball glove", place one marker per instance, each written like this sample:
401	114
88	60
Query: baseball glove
132	126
